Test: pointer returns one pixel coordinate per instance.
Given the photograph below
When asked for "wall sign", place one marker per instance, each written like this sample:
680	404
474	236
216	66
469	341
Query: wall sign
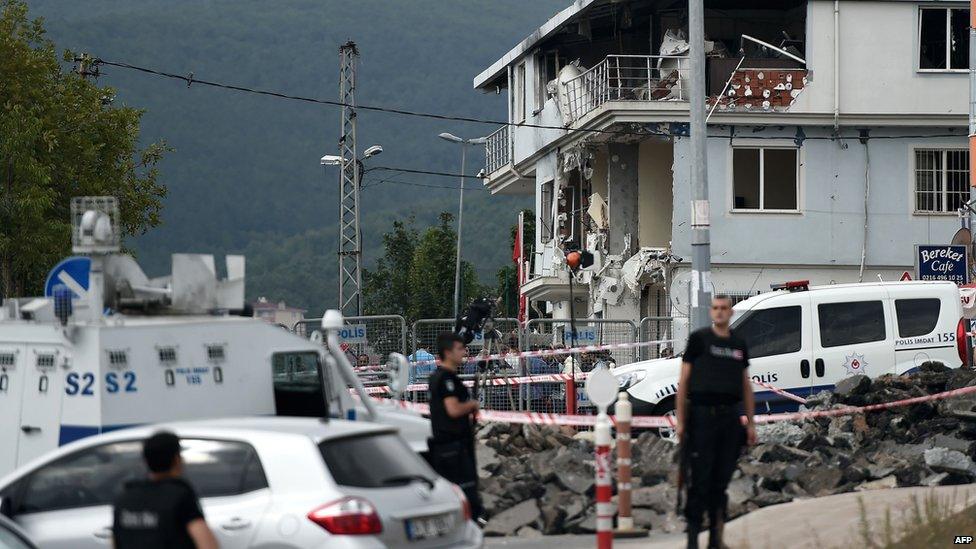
353	333
941	262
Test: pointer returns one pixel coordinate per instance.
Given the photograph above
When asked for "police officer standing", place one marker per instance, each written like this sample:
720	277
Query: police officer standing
452	420
713	388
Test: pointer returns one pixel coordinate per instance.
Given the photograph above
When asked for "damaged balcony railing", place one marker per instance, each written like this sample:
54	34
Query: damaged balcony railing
497	150
628	78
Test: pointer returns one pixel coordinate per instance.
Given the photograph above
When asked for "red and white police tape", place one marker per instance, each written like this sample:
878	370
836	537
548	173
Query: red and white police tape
548	378
531	354
539	418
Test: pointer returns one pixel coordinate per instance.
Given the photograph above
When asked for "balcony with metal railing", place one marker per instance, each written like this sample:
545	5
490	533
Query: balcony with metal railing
497	150
641	78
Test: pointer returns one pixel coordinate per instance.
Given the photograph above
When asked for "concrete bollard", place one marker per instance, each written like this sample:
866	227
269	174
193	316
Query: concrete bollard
604	508
625	521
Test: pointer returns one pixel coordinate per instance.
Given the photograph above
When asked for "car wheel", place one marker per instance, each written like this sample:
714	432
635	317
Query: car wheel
666	408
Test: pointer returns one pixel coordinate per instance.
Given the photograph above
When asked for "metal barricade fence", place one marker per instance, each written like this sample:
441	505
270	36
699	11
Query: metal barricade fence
424	337
368	341
657	328
550	333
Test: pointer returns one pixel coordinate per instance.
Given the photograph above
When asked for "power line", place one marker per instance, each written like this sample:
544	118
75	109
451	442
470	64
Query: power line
422	172
190	79
414	184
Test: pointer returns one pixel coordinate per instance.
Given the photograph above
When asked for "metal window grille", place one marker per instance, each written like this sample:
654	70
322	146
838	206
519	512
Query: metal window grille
941	180
7	359
45	361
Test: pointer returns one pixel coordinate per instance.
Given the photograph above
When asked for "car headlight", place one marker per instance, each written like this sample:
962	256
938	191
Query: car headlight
630	379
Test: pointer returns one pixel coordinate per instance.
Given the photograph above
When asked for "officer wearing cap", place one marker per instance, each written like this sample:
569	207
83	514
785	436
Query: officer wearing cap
713	390
452	420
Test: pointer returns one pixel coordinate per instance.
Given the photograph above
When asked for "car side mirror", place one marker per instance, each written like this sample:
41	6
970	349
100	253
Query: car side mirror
6	506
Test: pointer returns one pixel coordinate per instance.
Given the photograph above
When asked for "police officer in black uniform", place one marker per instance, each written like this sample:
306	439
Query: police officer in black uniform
161	511
452	421
713	389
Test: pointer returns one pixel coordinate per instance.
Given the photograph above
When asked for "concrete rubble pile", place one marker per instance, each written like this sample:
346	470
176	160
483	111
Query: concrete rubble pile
539	480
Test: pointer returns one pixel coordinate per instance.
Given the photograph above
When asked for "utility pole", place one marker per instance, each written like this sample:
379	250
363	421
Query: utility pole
701	253
350	249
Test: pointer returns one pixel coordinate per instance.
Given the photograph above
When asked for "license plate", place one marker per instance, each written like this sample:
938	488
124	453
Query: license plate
429	527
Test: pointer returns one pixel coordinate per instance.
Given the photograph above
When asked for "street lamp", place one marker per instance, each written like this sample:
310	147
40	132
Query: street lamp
457	263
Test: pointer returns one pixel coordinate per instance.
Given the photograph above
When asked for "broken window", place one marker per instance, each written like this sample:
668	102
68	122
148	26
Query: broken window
518	94
545	212
943	39
764	178
941	180
547	66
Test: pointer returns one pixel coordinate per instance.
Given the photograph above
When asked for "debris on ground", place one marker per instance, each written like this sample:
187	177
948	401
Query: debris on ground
540	480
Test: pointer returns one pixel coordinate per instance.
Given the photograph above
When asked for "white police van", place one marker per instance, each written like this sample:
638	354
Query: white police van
804	339
116	349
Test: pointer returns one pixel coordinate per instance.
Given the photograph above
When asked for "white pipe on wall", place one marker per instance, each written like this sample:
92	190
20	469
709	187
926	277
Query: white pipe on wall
836	66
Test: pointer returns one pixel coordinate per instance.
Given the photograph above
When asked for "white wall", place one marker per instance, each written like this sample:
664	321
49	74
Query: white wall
878	62
829	227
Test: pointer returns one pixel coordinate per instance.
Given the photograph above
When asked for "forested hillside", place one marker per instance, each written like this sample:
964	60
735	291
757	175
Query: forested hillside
244	176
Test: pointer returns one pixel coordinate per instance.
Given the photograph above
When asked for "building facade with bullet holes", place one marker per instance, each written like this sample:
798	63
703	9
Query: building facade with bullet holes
836	143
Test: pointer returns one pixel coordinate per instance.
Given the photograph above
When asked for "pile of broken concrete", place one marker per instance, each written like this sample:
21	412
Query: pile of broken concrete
540	481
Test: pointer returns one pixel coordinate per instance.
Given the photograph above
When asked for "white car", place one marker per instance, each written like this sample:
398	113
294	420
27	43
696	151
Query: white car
263	482
805	339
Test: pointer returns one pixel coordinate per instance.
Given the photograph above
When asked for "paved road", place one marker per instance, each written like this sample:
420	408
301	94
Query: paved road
580	542
832	521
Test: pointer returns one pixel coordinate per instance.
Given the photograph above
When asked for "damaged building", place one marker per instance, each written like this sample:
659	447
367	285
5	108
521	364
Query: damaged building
836	142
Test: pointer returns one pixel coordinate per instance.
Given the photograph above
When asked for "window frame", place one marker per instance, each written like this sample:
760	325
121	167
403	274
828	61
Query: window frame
547	197
21	486
913	178
898	316
747	315
948	30
853	301
762	145
518	93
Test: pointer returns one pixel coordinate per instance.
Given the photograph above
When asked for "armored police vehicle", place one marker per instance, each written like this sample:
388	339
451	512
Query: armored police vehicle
108	347
805	339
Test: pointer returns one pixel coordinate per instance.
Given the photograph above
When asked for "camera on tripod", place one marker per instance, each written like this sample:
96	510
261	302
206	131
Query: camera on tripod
478	319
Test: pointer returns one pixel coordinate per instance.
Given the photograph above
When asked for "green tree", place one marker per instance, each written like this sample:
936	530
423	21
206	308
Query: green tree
386	288
60	137
432	273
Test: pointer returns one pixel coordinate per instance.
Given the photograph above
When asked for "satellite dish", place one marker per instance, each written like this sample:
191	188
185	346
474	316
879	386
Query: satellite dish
680	293
964	237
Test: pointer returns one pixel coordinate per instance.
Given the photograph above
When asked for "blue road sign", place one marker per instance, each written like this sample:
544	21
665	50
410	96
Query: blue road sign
73	273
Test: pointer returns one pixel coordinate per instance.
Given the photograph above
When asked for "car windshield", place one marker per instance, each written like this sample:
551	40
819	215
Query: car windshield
374	461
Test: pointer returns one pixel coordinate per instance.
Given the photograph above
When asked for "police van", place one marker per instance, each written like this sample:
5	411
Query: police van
111	348
804	339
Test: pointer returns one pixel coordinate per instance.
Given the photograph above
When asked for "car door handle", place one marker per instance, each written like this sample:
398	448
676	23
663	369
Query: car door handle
236	523
819	367
104	533
805	368
30	429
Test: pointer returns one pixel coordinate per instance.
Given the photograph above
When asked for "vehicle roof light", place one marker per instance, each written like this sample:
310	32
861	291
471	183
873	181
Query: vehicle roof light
792	286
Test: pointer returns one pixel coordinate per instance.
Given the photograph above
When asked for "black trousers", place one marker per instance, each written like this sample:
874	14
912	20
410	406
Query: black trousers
455	461
713	440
